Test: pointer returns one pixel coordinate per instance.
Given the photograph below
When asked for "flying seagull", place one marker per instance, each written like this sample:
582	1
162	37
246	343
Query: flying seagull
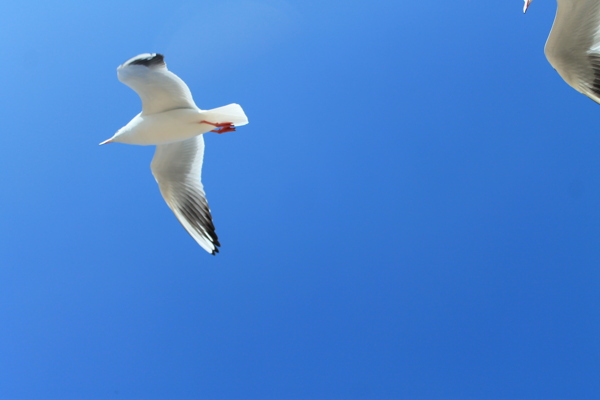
171	120
573	47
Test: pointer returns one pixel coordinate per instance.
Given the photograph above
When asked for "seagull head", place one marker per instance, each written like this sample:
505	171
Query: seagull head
526	6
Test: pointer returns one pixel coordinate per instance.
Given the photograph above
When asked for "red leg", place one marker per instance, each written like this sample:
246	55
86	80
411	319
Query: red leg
223	130
224	126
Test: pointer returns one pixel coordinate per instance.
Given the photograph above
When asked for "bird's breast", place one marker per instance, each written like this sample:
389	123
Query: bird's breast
162	128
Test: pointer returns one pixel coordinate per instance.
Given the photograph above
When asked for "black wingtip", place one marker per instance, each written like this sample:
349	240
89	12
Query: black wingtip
147	59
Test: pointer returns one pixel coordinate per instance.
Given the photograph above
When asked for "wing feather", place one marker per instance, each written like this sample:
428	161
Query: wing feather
159	89
177	169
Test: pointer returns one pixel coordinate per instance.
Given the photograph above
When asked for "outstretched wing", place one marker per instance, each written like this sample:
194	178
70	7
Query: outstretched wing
160	89
573	47
177	169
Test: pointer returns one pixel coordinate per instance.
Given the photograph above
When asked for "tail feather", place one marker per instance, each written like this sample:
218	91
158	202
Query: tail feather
230	113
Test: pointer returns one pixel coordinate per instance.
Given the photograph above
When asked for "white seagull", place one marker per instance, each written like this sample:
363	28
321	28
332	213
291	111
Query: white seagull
171	120
573	47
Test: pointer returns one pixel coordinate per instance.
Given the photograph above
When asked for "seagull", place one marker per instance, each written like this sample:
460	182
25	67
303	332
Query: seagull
171	120
573	47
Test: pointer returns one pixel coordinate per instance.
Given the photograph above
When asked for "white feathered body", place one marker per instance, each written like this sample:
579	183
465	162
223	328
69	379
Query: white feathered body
176	125
162	128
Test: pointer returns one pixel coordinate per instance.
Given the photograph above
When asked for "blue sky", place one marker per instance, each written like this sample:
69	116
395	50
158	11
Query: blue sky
412	212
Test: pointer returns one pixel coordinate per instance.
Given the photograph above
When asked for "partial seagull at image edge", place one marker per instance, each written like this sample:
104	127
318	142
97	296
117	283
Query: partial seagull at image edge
573	46
171	120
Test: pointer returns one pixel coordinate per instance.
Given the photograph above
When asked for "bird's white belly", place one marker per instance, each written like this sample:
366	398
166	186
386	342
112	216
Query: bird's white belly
162	128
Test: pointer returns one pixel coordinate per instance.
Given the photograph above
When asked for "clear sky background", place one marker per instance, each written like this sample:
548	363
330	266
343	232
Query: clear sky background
413	211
